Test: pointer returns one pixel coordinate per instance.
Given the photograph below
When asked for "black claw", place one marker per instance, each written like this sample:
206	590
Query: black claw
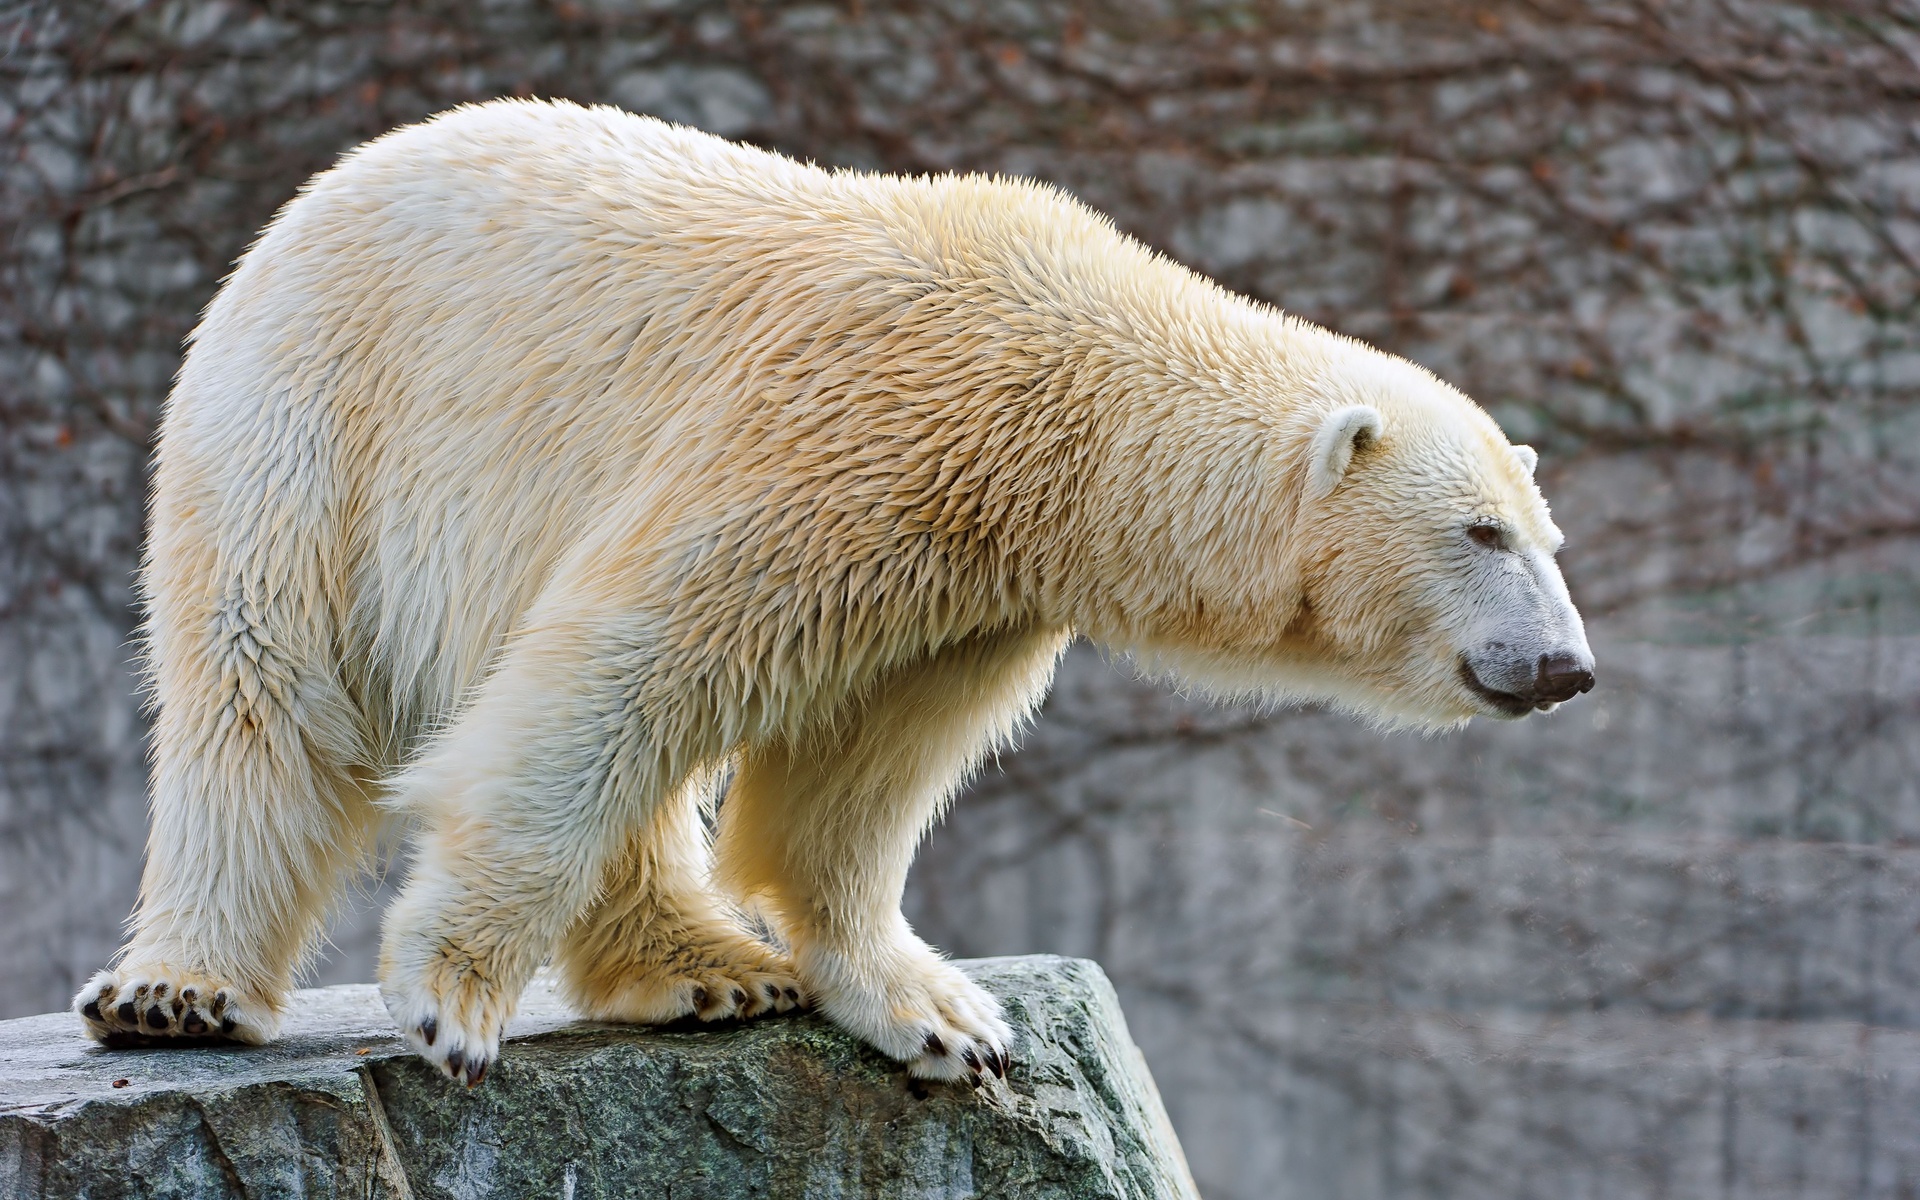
91	1010
1002	1064
192	1022
699	997
968	1057
476	1071
189	995
793	994
976	1082
456	1060
773	993
227	1024
160	989
429	1029
127	1013
917	1088
220	1001
935	1046
739	998
157	1017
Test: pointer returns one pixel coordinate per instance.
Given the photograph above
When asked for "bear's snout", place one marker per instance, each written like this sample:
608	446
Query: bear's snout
1517	686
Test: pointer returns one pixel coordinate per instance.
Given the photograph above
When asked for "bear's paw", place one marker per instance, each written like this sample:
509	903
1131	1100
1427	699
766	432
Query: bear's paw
709	974
452	1014
920	1010
161	1004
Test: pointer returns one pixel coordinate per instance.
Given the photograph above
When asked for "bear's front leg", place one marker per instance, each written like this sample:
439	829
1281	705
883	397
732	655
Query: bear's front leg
524	801
822	827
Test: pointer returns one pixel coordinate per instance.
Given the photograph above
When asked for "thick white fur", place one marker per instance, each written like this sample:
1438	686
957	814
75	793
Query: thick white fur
541	468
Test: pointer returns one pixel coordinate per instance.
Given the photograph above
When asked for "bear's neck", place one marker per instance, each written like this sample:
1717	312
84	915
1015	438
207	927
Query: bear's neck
1174	479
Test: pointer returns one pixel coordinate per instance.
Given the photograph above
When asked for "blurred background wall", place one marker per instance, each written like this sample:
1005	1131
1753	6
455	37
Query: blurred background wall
1664	943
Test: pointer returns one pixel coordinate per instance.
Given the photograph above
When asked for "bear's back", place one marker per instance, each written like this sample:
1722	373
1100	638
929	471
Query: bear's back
475	339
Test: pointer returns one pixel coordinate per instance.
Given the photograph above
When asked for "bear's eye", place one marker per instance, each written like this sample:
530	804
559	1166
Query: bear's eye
1487	534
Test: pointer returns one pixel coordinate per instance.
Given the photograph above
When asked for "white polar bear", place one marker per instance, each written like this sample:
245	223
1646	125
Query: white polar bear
542	470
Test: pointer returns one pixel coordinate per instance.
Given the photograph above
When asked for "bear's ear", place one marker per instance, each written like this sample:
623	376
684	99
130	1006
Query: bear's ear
1344	431
1528	456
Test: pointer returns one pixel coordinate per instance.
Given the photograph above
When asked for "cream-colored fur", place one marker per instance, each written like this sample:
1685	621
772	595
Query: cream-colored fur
541	469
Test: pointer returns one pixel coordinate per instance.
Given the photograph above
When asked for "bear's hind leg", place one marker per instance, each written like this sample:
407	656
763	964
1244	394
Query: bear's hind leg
658	944
822	828
255	821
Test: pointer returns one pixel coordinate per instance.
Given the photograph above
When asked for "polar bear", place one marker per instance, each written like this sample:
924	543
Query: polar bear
543	472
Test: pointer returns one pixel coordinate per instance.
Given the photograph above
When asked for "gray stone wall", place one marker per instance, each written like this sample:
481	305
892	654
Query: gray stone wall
1660	944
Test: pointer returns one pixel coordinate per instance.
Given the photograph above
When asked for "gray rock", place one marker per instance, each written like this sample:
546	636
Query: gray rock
779	1107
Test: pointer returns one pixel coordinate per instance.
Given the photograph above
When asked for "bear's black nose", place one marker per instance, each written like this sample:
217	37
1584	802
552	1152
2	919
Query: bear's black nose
1560	677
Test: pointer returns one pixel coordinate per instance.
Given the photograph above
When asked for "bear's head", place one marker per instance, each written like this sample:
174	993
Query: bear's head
1388	552
1423	556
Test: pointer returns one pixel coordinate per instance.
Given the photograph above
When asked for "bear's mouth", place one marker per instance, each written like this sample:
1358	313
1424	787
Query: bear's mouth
1505	703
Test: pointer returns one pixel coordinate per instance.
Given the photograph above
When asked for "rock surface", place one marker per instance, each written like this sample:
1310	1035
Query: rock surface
785	1107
